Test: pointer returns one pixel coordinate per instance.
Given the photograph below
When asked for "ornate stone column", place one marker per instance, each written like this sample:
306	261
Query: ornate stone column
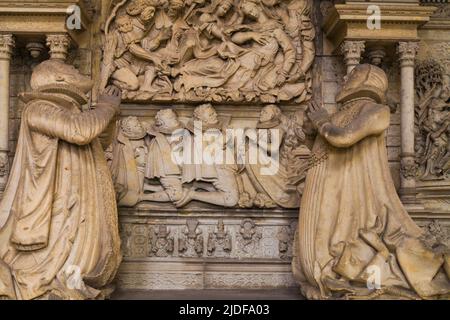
6	47
407	53
59	45
352	51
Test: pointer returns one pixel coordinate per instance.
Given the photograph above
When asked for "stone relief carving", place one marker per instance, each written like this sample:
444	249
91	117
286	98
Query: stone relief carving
438	236
144	169
219	241
249	236
284	188
232	50
125	240
60	195
335	257
286	238
237	239
432	120
162	244
190	243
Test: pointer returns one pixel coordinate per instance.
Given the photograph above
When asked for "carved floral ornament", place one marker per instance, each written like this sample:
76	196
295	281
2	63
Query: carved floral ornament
432	119
232	50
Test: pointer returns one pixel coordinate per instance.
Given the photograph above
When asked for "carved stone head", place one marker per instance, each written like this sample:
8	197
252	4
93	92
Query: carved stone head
222	7
364	81
147	14
124	24
166	121
206	114
269	113
251	9
56	73
136	7
132	128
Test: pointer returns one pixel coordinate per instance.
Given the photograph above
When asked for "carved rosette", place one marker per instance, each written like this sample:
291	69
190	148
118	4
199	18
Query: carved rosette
407	53
59	45
352	51
7	44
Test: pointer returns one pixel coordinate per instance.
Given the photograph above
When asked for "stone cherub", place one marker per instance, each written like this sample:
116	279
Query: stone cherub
352	225
59	232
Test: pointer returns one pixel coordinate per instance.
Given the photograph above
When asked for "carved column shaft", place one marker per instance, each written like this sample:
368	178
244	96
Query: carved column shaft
352	51
407	54
6	47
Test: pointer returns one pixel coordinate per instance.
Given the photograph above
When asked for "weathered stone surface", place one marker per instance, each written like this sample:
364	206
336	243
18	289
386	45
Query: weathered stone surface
238	231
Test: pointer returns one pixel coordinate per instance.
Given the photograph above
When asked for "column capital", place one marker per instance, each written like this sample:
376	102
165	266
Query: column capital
352	51
7	44
59	45
407	53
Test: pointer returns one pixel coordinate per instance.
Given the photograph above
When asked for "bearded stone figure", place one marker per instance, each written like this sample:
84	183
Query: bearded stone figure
355	239
59	232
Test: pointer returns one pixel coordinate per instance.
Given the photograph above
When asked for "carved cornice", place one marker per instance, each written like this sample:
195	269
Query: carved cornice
398	22
6	46
407	53
43	17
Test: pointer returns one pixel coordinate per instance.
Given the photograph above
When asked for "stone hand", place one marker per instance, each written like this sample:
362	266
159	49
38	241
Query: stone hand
261	39
111	95
281	79
317	115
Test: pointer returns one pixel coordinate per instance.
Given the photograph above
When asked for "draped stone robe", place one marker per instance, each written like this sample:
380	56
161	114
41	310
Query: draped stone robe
58	214
352	220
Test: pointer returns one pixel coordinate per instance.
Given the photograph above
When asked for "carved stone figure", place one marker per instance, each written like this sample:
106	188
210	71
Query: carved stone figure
213	181
219	241
190	244
286	239
58	213
285	139
126	233
177	50
352	223
163	172
130	58
432	121
129	155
